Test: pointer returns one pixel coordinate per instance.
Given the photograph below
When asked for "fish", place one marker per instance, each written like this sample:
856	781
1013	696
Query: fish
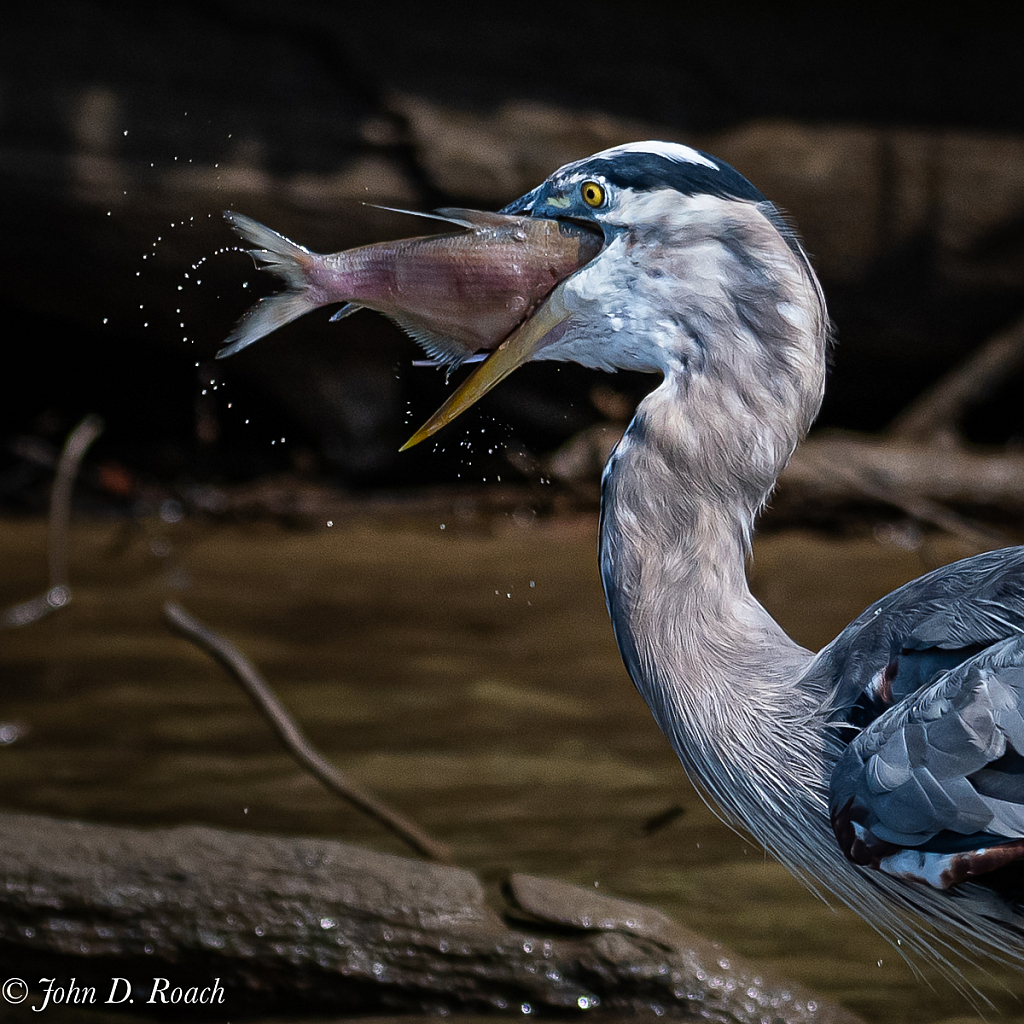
457	294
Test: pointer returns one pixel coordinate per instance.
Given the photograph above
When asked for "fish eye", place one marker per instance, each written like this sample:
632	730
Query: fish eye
592	192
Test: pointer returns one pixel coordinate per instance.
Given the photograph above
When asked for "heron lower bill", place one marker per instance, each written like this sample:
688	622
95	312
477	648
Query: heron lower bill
520	347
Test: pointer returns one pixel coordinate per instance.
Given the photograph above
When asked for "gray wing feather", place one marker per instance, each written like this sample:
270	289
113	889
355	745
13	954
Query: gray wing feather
952	613
918	771
926	688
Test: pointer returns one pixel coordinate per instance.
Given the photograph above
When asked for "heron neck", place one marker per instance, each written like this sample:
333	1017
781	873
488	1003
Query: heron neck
680	498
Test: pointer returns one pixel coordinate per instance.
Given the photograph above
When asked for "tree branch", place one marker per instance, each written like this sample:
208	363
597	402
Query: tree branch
291	736
59	592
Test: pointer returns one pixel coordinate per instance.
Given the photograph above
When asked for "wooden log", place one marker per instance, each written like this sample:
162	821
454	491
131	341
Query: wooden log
265	923
925	479
836	467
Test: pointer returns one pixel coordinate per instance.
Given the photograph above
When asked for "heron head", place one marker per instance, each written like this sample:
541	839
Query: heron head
601	190
693	253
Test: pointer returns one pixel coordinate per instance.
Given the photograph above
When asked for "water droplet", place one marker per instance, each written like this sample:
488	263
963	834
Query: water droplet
171	511
9	732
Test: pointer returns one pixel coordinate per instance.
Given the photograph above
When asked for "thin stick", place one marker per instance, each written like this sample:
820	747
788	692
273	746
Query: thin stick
60	495
294	740
59	592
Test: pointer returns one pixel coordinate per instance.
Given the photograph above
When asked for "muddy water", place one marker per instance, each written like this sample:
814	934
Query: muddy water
466	671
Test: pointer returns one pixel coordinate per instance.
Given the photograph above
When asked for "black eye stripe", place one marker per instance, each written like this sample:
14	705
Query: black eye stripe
648	171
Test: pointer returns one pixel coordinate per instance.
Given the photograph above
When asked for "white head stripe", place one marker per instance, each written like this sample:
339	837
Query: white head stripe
670	150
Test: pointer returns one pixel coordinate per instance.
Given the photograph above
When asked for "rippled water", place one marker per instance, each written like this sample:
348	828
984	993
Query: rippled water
466	673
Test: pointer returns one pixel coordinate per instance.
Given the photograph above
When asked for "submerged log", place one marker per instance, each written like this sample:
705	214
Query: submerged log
266	923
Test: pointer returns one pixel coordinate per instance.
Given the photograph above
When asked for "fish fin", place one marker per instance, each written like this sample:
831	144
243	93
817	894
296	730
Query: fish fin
282	258
442	215
476	357
461	216
347	310
473	218
443	351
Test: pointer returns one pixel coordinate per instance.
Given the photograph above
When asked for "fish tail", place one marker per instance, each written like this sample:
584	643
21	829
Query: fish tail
286	260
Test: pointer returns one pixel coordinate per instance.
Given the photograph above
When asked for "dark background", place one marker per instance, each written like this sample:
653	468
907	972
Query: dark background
895	142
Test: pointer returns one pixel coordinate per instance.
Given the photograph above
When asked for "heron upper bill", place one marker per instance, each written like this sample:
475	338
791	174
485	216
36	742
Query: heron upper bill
518	348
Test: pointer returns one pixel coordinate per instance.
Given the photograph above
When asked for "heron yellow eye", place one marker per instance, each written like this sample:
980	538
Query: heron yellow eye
592	192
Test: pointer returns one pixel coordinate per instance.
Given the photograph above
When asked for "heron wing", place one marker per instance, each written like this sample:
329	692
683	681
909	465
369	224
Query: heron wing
928	626
948	759
928	690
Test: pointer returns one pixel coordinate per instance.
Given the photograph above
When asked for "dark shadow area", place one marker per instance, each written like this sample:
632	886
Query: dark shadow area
127	131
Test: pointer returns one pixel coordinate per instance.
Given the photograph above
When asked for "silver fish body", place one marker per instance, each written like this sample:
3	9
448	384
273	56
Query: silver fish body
455	293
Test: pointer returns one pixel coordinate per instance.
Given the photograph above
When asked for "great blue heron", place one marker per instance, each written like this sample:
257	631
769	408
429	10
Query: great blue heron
887	768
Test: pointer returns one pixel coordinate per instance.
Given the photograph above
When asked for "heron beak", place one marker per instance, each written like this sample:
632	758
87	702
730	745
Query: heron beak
545	326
